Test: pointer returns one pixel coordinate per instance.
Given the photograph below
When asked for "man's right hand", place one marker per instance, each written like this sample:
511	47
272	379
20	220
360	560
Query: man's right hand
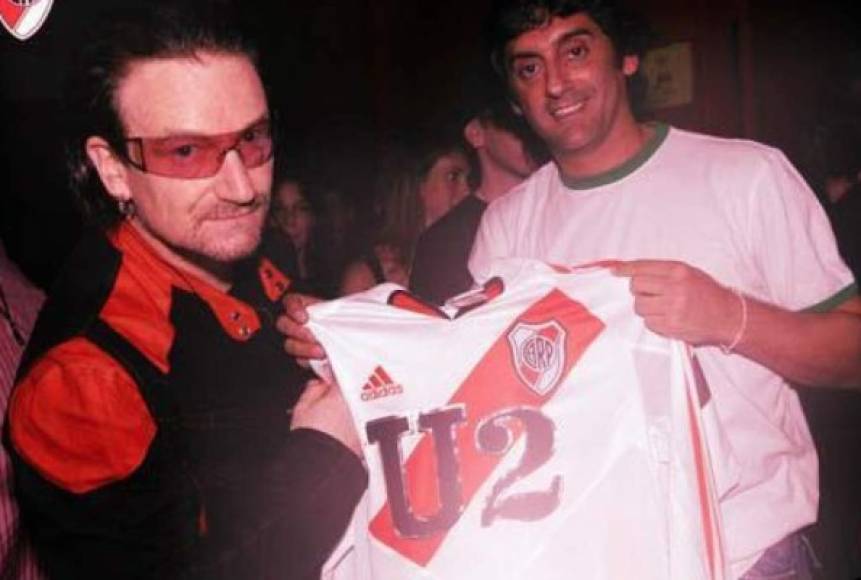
322	408
299	342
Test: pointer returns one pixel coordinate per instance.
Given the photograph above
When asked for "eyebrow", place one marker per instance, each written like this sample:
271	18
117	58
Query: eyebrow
564	37
171	134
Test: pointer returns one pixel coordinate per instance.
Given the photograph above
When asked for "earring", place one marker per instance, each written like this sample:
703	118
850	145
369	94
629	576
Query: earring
127	208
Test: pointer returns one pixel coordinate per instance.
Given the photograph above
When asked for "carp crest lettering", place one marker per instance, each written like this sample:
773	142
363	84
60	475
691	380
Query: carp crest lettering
538	351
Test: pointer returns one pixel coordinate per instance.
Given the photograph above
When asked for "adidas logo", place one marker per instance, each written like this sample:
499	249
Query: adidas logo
380	385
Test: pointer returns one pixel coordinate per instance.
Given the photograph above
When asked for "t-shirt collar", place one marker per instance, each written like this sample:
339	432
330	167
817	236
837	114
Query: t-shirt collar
661	130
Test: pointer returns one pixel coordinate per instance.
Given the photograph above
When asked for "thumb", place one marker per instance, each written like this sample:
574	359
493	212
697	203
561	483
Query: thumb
622	268
315	390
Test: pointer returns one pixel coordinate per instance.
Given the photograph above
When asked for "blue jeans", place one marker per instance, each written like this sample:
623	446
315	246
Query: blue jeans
791	558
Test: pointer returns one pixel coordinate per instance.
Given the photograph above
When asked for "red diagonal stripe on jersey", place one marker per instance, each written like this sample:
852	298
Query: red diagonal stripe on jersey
703	490
704	394
11	14
491	386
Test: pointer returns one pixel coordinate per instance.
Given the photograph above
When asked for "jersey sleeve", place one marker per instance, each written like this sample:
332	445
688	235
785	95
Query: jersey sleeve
792	243
78	418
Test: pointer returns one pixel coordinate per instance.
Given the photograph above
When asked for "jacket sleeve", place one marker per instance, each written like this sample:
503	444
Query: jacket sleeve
312	488
78	418
79	421
309	493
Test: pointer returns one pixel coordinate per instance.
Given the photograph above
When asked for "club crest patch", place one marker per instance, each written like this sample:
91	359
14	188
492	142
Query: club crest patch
24	18
538	351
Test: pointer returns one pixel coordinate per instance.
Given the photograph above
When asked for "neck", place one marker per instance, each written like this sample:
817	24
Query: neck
213	272
625	139
496	181
301	261
836	188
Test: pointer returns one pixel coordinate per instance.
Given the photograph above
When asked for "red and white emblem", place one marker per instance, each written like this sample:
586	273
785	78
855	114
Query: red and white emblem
23	18
539	354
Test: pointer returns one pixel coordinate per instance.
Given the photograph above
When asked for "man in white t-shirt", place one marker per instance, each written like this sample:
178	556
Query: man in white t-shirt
725	246
723	242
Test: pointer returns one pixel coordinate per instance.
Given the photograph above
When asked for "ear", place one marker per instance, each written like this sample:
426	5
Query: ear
630	64
474	133
516	108
112	171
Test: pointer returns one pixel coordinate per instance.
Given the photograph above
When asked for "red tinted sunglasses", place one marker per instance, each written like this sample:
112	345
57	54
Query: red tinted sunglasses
199	156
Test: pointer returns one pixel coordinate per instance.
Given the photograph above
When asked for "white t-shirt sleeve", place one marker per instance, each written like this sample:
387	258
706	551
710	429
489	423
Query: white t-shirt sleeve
791	240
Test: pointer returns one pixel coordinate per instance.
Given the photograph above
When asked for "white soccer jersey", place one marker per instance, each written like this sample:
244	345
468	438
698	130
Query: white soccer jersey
542	432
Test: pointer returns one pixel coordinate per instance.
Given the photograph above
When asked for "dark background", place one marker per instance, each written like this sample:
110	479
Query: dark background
347	75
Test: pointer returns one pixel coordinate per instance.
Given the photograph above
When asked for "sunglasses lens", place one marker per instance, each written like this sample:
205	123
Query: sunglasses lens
180	156
255	146
195	157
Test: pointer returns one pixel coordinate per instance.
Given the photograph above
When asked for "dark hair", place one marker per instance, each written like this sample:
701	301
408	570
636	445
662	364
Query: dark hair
404	168
511	18
483	96
133	32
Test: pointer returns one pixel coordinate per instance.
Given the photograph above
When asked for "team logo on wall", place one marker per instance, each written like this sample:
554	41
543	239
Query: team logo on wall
23	18
539	354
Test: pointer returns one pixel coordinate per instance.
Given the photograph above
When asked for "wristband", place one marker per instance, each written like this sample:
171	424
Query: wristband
730	348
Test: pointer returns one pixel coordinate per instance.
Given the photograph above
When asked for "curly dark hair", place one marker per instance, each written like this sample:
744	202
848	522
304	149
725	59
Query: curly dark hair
133	32
511	18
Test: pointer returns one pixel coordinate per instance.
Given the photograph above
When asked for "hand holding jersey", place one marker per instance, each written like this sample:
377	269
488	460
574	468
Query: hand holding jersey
299	342
321	407
682	302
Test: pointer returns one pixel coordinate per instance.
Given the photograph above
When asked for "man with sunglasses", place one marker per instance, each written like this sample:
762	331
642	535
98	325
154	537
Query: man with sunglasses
157	428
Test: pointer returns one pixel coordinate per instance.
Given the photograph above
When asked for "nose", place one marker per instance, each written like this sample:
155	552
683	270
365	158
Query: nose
555	79
234	183
459	191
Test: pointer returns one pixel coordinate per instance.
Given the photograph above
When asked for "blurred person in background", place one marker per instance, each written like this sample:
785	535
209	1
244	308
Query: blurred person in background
298	217
420	183
842	191
20	302
503	154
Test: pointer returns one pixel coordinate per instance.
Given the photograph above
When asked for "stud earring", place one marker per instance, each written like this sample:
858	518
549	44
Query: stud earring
127	208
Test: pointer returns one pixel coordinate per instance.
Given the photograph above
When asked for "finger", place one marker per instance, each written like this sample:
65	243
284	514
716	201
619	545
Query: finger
648	285
650	306
315	390
646	267
295	330
658	324
302	349
296	306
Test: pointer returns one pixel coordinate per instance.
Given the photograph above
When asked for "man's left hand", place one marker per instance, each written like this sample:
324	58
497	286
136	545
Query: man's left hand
679	301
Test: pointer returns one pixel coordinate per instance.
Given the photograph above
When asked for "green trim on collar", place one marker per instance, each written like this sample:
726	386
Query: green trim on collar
833	302
626	168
